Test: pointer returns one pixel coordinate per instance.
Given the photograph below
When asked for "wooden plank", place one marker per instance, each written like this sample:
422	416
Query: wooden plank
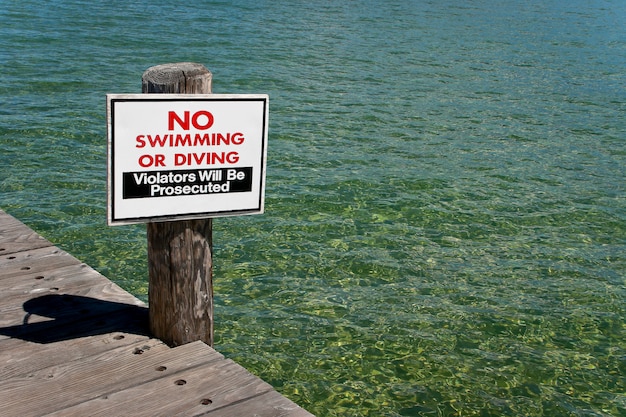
55	388
223	388
15	236
43	265
32	261
20	358
269	404
76	279
193	391
21	293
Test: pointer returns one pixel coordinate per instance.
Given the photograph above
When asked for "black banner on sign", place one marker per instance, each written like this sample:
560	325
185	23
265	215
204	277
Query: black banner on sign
187	182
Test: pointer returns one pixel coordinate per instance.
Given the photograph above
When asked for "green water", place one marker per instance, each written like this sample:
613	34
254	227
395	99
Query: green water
445	221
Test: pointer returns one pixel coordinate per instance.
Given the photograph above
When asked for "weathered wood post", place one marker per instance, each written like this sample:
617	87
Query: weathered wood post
180	252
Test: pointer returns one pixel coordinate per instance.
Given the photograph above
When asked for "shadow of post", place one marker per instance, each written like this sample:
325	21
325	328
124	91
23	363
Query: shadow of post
75	317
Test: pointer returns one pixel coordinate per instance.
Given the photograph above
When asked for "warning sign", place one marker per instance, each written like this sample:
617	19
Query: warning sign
177	156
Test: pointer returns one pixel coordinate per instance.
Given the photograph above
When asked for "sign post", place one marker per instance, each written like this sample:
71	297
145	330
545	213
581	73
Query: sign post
179	156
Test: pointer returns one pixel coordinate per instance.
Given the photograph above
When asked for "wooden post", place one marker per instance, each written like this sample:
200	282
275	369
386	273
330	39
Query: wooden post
180	252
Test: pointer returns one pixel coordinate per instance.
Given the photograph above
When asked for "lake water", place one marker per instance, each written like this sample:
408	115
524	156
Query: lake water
445	226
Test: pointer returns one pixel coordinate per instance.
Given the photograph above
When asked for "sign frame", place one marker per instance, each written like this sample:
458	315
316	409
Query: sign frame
233	169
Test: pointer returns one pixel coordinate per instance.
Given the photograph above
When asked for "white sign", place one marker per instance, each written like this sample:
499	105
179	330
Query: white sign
185	156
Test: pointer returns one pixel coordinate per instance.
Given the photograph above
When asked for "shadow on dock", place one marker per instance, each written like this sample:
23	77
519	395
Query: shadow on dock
55	317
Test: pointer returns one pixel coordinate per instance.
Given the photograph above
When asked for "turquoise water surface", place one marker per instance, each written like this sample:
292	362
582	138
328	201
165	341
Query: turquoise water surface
445	222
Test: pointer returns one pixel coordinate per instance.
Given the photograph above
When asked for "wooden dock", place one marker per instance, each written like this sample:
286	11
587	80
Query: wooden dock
73	343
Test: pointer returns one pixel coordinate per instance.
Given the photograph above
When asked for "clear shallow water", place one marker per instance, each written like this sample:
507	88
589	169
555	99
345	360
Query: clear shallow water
445	228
